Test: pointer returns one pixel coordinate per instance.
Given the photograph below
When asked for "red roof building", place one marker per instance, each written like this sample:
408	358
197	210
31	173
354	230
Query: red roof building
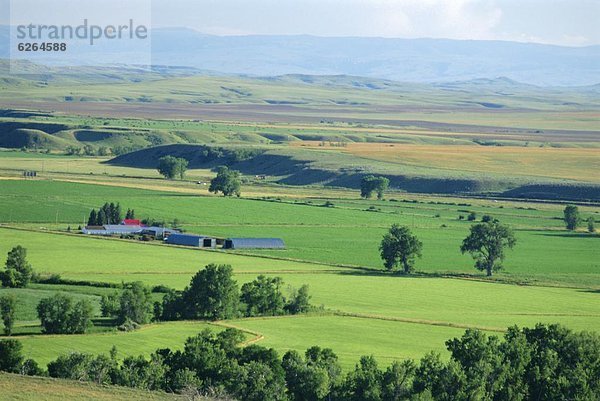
132	222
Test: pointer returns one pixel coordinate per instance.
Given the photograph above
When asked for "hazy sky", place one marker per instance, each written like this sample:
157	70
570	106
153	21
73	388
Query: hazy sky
564	22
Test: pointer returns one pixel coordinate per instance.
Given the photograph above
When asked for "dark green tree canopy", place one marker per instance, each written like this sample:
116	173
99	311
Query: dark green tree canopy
571	217
135	304
60	315
11	355
109	213
18	272
263	296
212	294
227	182
371	183
8	304
487	242
171	167
400	247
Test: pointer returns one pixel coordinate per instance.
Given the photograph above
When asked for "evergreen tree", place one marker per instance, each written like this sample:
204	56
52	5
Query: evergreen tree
101	218
93	219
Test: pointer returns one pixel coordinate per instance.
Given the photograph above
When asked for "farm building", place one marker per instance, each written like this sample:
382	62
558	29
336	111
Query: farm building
113	229
254	243
132	222
199	241
159	232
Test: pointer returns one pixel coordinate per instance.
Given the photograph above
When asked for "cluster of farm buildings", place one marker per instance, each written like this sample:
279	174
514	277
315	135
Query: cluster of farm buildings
134	228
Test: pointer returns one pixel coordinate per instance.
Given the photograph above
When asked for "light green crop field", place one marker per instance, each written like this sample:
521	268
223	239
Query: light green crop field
45	348
423	311
347	234
350	336
25	388
333	250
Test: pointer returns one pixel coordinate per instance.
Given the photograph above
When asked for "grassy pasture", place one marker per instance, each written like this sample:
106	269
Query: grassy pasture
346	234
24	388
435	305
28	299
379	313
45	348
351	337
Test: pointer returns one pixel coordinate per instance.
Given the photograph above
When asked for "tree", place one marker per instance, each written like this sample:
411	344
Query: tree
212	294
397	381
364	383
257	381
227	181
93	219
486	242
305	382
101	218
171	167
130	214
110	305
18	271
8	305
299	301
571	217
59	315
370	184
135	304
88	150
591	224
263	296
11	356
400	246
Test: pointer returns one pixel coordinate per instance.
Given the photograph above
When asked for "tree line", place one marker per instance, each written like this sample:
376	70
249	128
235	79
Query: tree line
109	213
212	294
543	363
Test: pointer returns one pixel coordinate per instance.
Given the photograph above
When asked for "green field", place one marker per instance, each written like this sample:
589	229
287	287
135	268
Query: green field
344	235
45	348
552	275
401	316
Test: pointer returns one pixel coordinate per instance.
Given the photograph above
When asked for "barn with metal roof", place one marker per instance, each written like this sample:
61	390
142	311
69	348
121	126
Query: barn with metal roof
199	241
254	243
112	229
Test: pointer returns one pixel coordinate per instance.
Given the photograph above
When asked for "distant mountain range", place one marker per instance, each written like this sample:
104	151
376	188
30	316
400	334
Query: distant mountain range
407	60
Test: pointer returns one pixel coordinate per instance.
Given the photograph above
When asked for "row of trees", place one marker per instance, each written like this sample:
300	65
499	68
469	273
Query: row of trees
87	150
543	363
109	213
60	314
213	294
486	242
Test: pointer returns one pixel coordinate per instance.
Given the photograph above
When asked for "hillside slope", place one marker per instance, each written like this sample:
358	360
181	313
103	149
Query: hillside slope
314	167
24	388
